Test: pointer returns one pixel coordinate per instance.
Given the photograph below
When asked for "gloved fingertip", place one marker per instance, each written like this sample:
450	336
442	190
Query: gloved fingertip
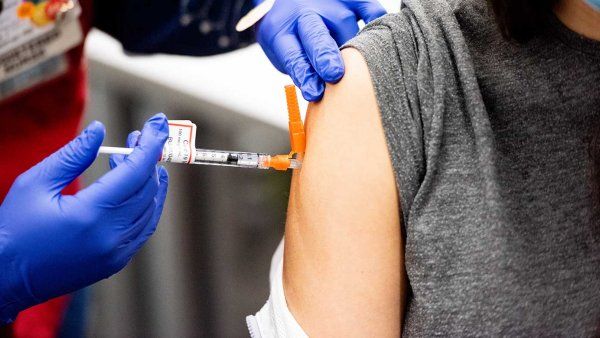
154	135
95	125
92	136
375	16
160	124
313	90
370	10
334	74
163	175
95	129
312	97
133	138
158	119
159	116
114	160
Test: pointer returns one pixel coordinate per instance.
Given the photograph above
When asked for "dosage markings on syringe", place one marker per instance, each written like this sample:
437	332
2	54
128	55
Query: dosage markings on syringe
180	146
212	156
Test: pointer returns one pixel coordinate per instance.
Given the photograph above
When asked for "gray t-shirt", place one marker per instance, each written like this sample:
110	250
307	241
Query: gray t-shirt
489	143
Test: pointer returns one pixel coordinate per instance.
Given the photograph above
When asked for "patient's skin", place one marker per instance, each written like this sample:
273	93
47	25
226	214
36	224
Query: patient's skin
343	266
579	17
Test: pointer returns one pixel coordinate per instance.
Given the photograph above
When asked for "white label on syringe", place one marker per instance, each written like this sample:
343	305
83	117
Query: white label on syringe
180	146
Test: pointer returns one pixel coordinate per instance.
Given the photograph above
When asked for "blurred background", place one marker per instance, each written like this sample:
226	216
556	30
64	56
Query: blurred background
206	268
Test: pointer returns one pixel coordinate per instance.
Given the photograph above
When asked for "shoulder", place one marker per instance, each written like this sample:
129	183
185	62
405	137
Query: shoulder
421	19
342	239
420	28
346	120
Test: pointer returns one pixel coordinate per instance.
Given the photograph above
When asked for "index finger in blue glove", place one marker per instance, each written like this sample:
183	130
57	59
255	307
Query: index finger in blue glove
141	203
137	205
160	198
134	244
143	216
289	51
126	179
367	10
321	49
132	140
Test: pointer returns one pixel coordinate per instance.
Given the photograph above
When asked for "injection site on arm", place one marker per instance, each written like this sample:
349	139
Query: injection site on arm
342	271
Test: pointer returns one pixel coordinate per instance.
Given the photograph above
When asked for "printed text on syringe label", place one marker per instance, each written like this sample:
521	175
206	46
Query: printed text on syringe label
180	146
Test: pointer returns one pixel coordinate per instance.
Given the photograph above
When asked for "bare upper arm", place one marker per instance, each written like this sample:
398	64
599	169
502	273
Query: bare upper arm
343	262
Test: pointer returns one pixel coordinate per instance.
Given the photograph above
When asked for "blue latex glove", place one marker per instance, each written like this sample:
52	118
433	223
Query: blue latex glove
301	38
51	244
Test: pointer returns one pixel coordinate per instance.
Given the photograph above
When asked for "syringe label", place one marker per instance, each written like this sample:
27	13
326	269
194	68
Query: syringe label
180	146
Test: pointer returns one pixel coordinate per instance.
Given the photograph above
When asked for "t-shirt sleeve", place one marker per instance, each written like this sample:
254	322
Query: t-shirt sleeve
389	47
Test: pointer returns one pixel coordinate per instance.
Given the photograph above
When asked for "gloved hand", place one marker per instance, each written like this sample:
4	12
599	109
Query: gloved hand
52	244
301	38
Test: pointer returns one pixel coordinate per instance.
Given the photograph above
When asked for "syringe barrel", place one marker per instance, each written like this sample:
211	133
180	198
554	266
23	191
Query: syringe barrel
231	158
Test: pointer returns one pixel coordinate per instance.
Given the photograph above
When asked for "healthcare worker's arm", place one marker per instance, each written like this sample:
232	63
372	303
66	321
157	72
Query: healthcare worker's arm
52	244
343	270
300	37
184	27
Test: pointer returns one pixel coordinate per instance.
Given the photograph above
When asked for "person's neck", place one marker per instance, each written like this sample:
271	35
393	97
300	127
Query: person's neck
579	17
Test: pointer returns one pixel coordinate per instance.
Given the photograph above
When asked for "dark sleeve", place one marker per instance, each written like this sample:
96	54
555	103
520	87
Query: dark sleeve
427	93
185	27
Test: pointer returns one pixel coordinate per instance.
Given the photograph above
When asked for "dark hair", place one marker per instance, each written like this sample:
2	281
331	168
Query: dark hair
520	20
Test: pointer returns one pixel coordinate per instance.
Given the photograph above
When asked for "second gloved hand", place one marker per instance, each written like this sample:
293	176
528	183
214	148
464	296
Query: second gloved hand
301	38
52	244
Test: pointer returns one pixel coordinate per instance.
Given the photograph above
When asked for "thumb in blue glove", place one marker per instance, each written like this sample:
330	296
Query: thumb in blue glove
52	244
301	38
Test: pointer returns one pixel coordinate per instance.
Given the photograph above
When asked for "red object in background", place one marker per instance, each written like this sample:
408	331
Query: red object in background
33	125
41	321
53	8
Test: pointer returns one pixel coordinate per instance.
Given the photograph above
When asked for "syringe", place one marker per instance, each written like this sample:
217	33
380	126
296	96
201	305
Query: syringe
229	158
182	134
